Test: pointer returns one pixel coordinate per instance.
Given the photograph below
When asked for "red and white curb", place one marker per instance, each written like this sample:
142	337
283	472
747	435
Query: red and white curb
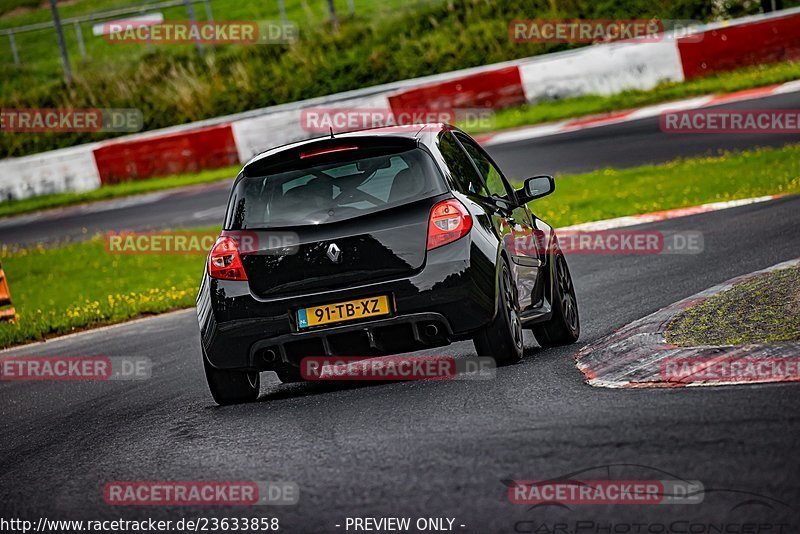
656	216
619	117
635	356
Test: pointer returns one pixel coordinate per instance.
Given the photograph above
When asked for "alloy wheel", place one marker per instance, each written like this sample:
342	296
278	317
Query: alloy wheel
567	293
512	308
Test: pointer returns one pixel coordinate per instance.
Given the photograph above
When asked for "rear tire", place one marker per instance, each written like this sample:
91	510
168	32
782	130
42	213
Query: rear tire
502	338
232	387
564	327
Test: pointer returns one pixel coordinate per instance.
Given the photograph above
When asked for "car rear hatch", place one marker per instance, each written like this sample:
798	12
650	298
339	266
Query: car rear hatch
335	213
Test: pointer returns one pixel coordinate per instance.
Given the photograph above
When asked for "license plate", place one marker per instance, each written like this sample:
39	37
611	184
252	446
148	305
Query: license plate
343	311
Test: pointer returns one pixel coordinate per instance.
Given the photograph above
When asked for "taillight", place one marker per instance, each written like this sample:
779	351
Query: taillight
224	261
449	221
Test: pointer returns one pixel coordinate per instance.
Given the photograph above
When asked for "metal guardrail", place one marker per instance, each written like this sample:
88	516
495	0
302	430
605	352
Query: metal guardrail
103	15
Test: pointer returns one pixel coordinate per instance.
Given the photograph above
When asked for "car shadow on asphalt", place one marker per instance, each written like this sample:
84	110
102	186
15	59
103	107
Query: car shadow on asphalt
295	390
292	390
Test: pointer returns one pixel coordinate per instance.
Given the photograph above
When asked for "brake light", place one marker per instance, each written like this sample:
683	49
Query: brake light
448	222
224	261
331	150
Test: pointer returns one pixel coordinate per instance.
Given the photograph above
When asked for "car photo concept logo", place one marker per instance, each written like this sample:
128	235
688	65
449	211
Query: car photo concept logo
564	503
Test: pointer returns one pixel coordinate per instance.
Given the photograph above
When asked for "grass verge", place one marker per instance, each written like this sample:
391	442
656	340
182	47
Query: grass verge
765	309
729	82
608	193
95	287
27	205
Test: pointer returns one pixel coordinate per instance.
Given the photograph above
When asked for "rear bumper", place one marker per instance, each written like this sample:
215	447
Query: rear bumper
453	292
403	333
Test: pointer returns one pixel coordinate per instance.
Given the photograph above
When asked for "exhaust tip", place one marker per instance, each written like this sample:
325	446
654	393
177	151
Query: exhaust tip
431	330
269	356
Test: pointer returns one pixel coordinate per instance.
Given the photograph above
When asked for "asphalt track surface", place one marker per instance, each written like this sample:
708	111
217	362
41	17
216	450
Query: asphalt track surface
426	449
621	145
436	448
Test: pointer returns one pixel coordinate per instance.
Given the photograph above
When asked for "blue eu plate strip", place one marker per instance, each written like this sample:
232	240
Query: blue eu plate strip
302	318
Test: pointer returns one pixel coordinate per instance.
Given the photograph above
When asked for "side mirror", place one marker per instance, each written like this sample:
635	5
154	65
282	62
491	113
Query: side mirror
536	187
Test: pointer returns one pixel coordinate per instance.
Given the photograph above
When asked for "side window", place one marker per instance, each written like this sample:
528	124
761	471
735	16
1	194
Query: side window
490	173
466	179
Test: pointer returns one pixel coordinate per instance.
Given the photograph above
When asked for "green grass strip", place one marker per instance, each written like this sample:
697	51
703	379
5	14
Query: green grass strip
765	309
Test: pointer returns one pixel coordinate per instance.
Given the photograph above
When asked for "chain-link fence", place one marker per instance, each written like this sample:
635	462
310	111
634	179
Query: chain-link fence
80	37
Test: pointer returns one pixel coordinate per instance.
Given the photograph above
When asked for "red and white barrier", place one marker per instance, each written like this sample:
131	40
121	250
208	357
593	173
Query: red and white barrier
742	43
600	69
161	155
496	88
57	171
257	134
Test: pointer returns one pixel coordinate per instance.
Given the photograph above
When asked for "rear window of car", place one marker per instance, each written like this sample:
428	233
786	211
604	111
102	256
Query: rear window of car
328	192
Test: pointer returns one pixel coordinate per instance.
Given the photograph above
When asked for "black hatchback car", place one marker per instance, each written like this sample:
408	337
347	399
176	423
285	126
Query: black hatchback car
373	243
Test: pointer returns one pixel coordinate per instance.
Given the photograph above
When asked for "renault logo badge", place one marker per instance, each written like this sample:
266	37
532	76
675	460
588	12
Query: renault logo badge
334	253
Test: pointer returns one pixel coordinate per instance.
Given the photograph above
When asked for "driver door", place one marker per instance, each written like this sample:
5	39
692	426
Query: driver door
521	240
